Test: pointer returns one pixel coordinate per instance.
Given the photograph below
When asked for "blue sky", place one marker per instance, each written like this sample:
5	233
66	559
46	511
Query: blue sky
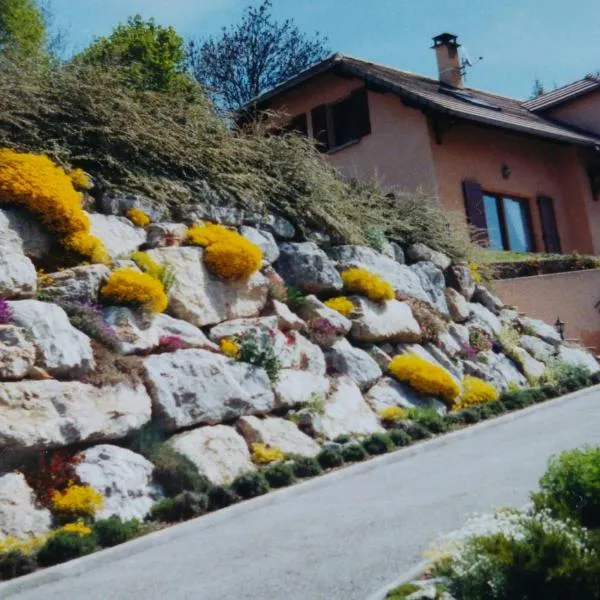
556	41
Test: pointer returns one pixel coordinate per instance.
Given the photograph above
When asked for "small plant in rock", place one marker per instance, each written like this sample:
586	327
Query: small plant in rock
306	466
377	443
416	431
76	501
6	312
399	437
475	391
169	343
250	485
316	405
294	297
341	304
392	414
264	455
431	324
258	350
323	332
370	285
279	475
148	438
330	457
114	531
221	497
88	317
164	273
176	473
479	340
132	288
64	546
342	439
138	217
467	352
16	564
353	453
376	238
230	348
182	507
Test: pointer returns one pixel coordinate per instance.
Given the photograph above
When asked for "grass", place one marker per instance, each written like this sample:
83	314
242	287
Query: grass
402	592
496	256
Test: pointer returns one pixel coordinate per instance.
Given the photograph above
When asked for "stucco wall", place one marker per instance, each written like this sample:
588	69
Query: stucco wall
570	296
583	112
397	153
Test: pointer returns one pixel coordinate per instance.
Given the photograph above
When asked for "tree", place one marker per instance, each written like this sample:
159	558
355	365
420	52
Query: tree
252	56
22	30
150	55
538	89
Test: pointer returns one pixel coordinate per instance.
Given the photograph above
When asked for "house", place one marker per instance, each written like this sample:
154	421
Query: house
527	173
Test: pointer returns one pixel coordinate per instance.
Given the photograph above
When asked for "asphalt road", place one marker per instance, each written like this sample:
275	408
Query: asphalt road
345	535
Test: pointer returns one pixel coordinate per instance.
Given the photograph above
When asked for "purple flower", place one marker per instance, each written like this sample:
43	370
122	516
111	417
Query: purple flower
6	313
467	351
170	343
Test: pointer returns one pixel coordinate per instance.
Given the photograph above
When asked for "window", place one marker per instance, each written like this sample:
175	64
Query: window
298	124
342	122
508	223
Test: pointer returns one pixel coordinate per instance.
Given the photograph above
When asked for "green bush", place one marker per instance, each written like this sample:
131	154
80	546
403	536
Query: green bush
306	466
377	443
279	475
342	439
221	497
113	531
570	488
64	546
177	473
250	485
353	453
517	399
466	416
416	431
148	438
399	437
15	564
428	418
402	592
330	457
182	507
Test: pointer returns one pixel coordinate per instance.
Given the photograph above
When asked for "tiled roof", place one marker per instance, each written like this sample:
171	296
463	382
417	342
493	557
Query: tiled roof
427	93
564	94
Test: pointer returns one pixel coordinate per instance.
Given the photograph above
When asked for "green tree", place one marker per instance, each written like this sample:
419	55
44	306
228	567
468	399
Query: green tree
22	29
150	55
538	89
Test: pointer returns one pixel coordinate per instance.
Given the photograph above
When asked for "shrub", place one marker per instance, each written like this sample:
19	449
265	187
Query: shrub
279	475
138	217
306	466
221	497
377	443
480	340
44	189
127	286
570	488
416	431
361	281
176	473
148	439
375	236
27	546
428	418
263	454
465	416
399	437
113	531
330	457
250	485
425	377
182	507
65	546
476	391
80	180
353	453
342	439
341	304
392	414
6	312
88	317
517	399
230	348
77	501
259	351
15	564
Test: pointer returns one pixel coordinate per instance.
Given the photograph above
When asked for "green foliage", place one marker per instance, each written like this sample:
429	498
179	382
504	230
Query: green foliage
258	350
182	507
279	475
399	437
342	439
377	443
148	439
353	453
570	488
64	546
402	592
15	564
177	473
294	297
250	485
565	378
466	416
113	531
517	399
22	29
416	431
376	238
221	497
330	457
149	56
428	418
306	466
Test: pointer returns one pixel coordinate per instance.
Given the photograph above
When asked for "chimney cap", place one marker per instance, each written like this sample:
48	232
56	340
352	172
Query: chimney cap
445	39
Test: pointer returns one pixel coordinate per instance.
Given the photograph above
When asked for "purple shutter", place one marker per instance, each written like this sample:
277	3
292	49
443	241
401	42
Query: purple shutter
319	127
549	224
475	210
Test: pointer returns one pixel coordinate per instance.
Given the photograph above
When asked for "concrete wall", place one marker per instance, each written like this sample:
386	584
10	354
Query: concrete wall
583	112
570	296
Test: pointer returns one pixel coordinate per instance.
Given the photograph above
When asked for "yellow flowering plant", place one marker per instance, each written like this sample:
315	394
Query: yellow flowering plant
147	264
27	546
80	180
79	527
263	455
341	304
79	500
476	391
425	377
475	274
361	281
392	414
127	286
34	182
229	347
138	217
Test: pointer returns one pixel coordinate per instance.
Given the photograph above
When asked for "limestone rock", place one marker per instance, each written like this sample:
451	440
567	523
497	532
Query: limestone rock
306	267
195	387
578	357
532	368
123	477
434	355
18	278
24	230
420	252
398	253
461	279
344	359
286	319
484	319
62	350
162	235
278	433
447	342
381	357
542	351
37	415
389	392
498	369
118	203
264	240
508	316
346	412
460	333
279	226
201	298
17	353
240	327
312	308
77	284
119	235
298	387
457	306
540	329
19	515
489	300
433	282
219	452
388	321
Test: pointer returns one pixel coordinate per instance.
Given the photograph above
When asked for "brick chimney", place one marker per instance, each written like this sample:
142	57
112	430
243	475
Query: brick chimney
449	67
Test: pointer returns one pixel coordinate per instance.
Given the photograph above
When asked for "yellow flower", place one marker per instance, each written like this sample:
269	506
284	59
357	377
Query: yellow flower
361	281
80	180
27	546
77	499
127	286
207	234
425	377
138	217
475	274
392	414
144	261
342	305
263	455
476	391
230	348
80	528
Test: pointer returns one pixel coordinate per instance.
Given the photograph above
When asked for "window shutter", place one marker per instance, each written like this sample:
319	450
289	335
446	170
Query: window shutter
360	110
298	125
319	127
475	210
549	225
